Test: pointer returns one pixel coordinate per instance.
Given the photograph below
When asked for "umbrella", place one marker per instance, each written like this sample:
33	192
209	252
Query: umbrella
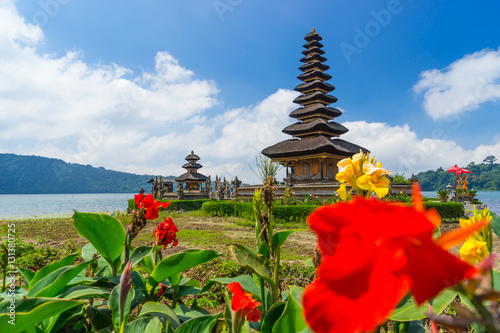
462	171
454	169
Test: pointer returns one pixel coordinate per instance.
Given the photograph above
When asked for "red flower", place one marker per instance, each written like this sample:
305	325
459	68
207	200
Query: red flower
165	233
150	204
244	303
373	253
162	290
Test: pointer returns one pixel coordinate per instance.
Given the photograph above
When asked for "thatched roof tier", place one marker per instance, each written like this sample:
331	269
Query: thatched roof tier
318	126
312	50
314	65
192	157
191	176
288	149
315	97
316	110
314	85
192	166
314	75
312	44
313	35
313	57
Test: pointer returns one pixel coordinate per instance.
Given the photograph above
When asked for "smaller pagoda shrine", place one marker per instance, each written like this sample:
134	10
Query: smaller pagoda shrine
192	179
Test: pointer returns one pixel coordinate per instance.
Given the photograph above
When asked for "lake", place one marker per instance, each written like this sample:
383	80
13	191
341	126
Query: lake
489	198
37	205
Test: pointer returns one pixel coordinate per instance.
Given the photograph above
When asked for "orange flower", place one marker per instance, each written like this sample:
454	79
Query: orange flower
150	204
243	303
165	233
373	254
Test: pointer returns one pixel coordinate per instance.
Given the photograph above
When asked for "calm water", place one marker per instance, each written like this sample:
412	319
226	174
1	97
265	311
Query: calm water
23	205
33	205
489	198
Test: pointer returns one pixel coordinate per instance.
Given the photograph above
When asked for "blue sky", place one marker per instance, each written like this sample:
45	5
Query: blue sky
135	86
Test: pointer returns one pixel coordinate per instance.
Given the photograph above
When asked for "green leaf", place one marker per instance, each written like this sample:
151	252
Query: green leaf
203	324
407	310
250	259
28	274
309	263
246	281
52	284
180	262
292	319
105	233
51	268
495	223
120	319
281	236
184	313
85	292
495	280
100	318
140	253
31	311
272	316
144	325
162	311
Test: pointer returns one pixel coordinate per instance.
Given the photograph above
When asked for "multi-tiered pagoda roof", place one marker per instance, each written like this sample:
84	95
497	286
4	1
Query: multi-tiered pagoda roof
191	167
315	134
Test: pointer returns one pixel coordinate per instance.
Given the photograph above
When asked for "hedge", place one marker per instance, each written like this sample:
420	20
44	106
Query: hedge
450	210
228	208
293	213
175	205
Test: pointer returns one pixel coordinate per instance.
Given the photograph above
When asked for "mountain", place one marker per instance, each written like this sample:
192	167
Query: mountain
40	175
483	177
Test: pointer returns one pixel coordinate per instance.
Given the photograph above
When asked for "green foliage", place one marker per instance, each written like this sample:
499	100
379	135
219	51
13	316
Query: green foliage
228	208
266	167
282	214
483	177
450	210
401	197
186	205
400	179
175	205
40	175
35	256
407	310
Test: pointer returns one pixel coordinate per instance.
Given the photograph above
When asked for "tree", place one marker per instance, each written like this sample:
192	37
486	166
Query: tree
490	159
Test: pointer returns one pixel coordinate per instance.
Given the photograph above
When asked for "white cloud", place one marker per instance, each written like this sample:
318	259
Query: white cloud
63	107
462	86
400	150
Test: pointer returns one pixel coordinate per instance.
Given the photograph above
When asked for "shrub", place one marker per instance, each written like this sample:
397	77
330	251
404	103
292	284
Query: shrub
448	210
295	213
186	205
228	208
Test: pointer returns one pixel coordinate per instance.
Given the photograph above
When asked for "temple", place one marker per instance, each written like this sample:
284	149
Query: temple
311	156
191	178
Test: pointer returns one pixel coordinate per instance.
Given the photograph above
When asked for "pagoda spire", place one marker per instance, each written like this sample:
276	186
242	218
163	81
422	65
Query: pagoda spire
315	114
315	147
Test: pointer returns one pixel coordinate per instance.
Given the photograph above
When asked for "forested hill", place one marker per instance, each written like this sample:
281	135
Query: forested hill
483	177
40	175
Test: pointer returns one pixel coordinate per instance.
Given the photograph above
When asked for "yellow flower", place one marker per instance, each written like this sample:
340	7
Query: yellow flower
484	234
374	180
364	175
474	251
